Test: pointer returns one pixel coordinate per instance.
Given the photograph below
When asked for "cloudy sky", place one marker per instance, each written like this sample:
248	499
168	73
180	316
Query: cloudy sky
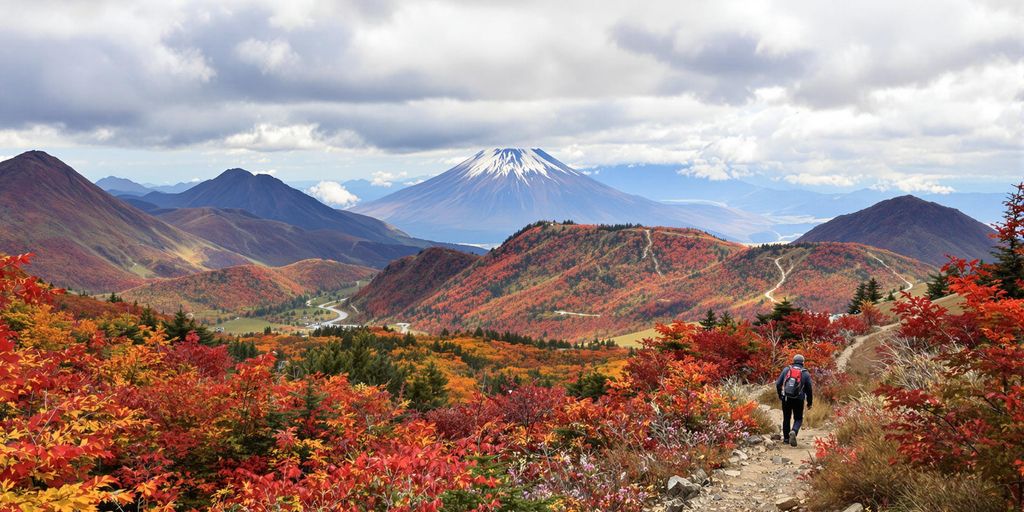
915	96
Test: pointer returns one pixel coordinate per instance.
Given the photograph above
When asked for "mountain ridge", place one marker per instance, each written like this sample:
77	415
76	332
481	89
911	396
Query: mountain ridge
579	281
87	239
270	198
911	226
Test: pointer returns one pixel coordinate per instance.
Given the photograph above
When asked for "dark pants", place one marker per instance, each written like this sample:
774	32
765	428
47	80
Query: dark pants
792	407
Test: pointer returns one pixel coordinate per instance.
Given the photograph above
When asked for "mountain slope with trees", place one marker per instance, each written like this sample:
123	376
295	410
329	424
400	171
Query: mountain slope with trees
244	287
578	281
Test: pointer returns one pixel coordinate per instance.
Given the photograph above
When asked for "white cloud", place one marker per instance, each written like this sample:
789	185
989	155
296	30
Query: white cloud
799	91
714	169
274	137
333	193
833	180
269	56
914	183
386	179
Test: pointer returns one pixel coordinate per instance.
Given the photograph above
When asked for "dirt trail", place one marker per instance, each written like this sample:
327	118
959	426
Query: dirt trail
562	312
897	274
785	273
761	473
647	250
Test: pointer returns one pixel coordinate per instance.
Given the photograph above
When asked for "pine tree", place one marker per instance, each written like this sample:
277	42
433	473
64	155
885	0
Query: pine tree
726	320
709	321
857	300
148	318
114	299
779	312
590	385
1008	267
873	291
181	325
428	389
938	284
242	350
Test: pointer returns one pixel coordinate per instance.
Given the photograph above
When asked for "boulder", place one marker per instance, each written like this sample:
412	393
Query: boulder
787	503
676	505
679	487
856	507
700	477
740	454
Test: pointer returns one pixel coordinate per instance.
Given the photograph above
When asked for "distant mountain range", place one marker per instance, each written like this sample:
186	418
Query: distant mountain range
123	186
270	198
279	243
497	191
580	281
88	239
732	207
783	204
912	227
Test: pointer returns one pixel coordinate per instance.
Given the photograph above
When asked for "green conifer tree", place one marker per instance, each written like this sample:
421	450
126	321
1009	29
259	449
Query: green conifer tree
709	321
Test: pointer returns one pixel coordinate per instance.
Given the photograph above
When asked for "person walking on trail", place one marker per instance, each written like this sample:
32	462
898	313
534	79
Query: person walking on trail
793	387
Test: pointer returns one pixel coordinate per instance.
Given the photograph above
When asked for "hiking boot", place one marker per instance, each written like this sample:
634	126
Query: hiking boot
792	438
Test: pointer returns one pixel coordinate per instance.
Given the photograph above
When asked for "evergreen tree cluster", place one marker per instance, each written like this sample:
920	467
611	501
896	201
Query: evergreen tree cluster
866	291
181	324
1008	264
711	320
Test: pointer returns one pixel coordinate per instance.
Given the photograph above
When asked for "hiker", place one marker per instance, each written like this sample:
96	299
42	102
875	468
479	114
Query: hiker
793	386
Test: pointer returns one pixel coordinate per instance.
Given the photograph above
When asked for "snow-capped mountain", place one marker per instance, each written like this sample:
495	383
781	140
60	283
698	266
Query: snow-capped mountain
522	164
497	191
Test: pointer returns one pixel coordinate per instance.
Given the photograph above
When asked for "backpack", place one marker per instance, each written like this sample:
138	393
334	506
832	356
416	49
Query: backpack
793	385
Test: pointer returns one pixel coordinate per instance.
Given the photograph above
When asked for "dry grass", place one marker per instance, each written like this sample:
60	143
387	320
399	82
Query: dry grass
768	397
765	423
876	477
816	416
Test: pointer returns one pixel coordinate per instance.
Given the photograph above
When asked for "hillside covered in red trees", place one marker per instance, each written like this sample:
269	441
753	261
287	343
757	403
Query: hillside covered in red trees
243	287
580	281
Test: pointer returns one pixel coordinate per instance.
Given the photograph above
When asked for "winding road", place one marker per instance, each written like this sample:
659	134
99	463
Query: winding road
785	273
341	314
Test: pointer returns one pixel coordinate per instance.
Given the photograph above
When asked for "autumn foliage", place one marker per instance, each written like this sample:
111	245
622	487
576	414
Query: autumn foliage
106	412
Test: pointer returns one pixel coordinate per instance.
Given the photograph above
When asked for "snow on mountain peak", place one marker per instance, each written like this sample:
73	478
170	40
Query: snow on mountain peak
518	162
